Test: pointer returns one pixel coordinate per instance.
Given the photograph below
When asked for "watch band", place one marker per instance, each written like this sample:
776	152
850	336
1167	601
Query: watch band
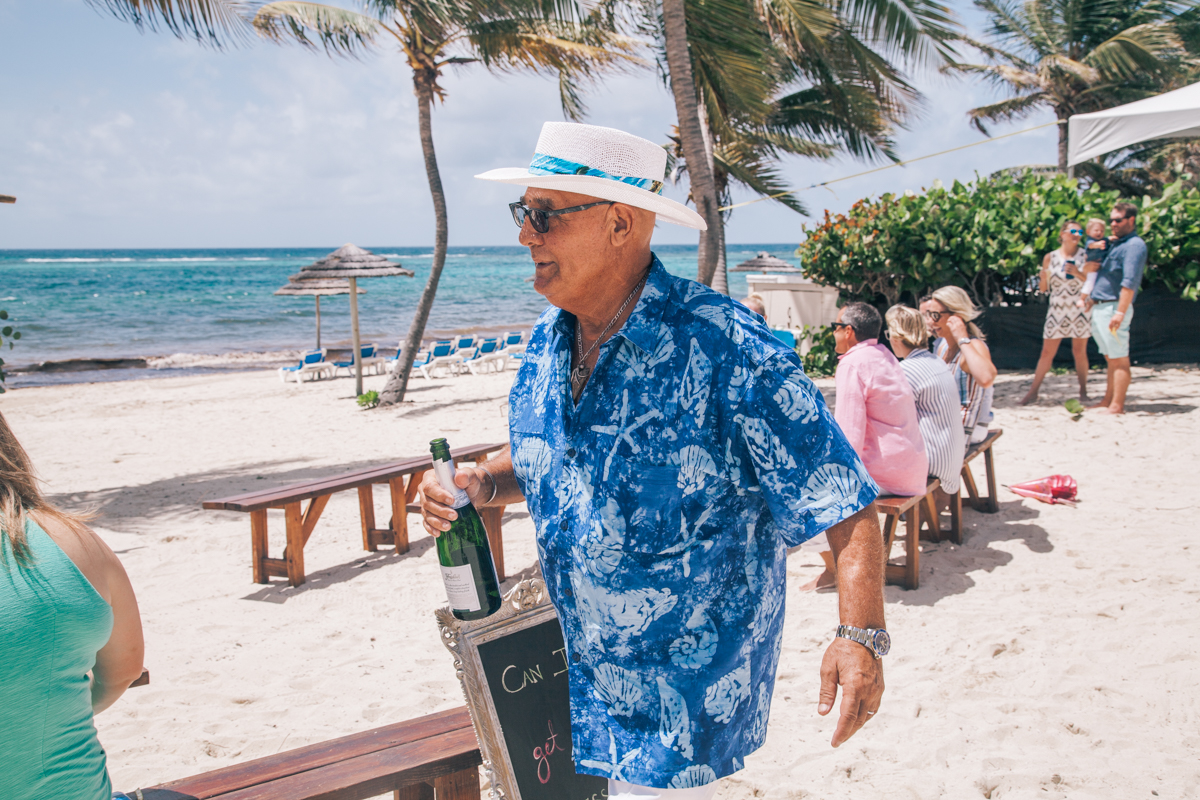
877	640
964	340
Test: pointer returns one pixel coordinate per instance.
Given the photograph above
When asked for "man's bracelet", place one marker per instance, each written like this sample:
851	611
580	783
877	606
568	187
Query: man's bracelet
495	486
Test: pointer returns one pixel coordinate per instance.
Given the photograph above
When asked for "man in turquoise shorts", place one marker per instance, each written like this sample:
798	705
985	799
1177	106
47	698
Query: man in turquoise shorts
1117	285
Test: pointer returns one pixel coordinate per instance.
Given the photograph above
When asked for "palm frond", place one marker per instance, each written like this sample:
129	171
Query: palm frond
216	23
338	30
1135	50
909	29
1005	111
744	166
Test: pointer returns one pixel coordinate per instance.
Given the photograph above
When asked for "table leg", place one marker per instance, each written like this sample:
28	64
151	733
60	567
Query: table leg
258	544
912	562
492	516
993	502
956	517
293	554
366	507
410	496
415	791
462	785
399	514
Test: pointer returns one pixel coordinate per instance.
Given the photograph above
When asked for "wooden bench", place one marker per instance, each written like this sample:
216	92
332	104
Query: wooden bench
429	758
916	510
402	478
989	504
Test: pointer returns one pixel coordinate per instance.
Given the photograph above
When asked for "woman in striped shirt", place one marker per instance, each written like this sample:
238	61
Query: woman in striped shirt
935	390
949	313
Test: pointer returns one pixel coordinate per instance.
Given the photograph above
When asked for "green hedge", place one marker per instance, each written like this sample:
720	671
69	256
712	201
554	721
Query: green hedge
988	236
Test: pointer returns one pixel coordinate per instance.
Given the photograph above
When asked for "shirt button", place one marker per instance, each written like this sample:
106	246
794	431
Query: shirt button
562	526
576	657
571	453
568	592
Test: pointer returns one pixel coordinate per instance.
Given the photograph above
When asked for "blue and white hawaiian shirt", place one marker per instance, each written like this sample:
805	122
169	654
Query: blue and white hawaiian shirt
664	503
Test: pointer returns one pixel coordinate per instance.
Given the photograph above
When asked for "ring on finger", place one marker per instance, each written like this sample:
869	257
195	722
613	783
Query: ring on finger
870	713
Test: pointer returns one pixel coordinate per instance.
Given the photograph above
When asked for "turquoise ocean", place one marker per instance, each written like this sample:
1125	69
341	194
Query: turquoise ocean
97	315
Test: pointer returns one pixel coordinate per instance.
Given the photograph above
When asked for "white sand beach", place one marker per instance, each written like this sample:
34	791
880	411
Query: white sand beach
1054	654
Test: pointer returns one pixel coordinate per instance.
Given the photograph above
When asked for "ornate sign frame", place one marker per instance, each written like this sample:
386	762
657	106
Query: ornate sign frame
526	605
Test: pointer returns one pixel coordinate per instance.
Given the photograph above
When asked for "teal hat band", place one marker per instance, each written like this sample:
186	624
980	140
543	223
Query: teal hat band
551	165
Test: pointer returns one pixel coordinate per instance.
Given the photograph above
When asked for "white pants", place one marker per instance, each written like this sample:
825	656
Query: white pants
619	790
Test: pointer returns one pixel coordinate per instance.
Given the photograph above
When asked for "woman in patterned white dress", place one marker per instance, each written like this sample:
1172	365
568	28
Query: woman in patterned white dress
1062	277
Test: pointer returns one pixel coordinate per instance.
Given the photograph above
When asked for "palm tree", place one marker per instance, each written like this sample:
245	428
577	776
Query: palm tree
799	78
503	35
1075	56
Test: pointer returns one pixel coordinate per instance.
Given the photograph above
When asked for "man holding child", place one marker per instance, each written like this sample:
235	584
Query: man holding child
1117	284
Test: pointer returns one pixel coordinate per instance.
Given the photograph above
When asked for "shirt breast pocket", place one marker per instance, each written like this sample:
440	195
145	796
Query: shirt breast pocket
649	501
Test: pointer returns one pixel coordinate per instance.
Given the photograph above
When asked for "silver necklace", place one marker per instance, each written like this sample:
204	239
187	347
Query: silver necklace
580	374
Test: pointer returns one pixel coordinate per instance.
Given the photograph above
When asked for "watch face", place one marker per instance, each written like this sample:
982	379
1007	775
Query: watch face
882	642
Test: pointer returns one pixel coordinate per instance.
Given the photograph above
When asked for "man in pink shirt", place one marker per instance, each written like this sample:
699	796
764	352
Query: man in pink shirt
876	411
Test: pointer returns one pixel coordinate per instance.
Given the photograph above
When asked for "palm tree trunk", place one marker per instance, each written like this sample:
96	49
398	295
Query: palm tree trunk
1062	144
691	135
393	392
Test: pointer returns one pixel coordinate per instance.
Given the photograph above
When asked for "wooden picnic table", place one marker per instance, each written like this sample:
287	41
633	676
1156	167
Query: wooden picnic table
403	478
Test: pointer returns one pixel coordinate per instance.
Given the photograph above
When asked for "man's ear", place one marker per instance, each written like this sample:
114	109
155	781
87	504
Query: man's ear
624	223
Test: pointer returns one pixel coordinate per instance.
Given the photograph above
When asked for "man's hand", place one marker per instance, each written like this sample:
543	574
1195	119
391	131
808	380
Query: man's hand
854	668
1117	318
436	513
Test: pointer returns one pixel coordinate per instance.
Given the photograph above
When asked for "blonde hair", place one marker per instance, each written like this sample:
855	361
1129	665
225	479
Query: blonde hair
958	302
20	496
1093	221
756	303
907	325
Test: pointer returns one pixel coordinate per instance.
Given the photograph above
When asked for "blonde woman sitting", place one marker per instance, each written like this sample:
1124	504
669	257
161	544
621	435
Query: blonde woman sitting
949	313
71	642
939	413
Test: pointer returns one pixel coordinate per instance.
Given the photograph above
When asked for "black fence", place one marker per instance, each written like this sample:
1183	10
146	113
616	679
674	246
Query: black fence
1165	330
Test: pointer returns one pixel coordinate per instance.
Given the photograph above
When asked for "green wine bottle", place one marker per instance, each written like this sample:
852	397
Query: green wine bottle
463	551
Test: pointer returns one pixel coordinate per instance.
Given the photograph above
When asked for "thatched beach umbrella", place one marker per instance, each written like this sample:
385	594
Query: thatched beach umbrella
350	261
765	262
316	288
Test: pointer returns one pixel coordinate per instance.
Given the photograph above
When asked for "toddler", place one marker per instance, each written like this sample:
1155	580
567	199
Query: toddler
1096	246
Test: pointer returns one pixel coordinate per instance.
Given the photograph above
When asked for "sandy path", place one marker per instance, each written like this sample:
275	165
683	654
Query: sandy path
1052	655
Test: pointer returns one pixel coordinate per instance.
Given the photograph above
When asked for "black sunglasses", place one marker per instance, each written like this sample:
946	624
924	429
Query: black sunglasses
839	325
936	315
540	217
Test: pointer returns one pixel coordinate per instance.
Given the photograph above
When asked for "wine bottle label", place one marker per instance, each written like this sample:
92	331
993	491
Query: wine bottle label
444	471
460	588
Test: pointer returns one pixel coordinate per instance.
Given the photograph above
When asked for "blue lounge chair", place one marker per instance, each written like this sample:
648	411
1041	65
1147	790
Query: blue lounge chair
312	363
514	347
371	363
441	356
488	353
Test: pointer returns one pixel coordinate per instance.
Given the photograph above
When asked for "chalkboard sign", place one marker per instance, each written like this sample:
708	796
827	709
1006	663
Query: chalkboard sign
513	669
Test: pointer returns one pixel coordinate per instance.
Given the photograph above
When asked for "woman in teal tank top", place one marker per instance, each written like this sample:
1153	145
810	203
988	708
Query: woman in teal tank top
70	641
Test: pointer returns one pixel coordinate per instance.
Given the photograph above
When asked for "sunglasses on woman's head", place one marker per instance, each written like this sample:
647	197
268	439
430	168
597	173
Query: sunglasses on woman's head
539	218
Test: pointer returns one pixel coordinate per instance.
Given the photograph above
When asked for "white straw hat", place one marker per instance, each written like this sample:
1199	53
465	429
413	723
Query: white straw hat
602	162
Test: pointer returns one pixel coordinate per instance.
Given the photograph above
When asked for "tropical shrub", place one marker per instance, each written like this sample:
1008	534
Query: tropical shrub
988	236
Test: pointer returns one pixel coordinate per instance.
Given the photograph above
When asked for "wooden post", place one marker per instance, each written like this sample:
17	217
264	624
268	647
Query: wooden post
366	507
258	544
318	299
354	337
410	495
399	513
294	552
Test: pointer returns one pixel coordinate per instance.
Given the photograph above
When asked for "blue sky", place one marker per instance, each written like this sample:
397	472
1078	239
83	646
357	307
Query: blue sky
113	138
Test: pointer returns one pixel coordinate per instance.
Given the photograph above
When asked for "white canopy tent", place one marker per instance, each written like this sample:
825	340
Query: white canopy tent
1173	115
